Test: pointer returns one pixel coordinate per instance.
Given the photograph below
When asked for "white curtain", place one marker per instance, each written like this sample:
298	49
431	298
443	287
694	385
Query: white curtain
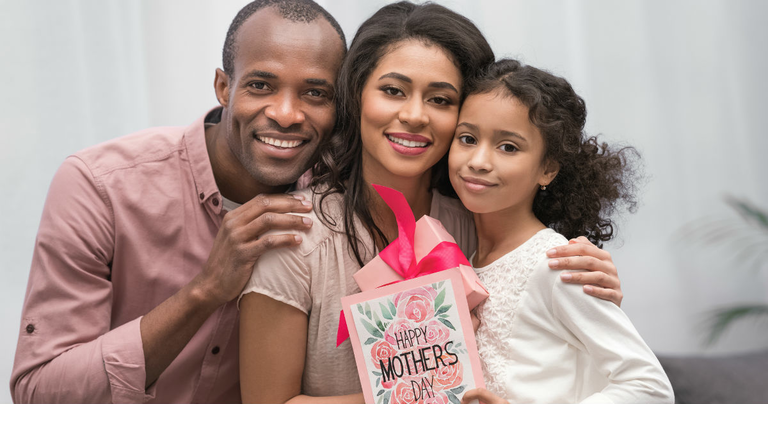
683	81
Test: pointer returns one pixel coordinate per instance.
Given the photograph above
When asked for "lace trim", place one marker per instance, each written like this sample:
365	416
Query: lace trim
506	280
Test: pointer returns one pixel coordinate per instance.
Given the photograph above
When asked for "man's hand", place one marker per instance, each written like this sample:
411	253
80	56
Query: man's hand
600	278
483	396
241	241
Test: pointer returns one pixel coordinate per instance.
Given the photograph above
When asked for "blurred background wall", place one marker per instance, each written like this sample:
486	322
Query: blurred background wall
684	81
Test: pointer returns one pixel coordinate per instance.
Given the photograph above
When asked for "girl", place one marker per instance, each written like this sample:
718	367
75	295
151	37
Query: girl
520	161
398	98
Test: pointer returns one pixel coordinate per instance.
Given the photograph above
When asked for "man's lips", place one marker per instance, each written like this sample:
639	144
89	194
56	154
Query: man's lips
282	141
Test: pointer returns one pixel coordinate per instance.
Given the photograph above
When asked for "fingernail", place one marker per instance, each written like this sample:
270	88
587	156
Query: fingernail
307	221
298	197
566	276
307	203
297	238
572	241
554	263
552	252
587	289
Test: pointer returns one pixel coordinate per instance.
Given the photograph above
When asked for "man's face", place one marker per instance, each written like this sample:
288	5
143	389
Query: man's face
279	101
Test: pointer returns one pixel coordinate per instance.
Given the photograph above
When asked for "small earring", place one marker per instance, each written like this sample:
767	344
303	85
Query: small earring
543	187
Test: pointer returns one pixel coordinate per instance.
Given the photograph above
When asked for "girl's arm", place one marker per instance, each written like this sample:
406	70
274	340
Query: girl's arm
273	341
605	333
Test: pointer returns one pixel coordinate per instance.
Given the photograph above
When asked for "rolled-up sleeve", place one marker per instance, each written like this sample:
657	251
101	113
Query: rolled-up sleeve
68	350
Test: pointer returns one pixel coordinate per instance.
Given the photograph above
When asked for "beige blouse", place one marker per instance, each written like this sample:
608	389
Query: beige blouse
314	276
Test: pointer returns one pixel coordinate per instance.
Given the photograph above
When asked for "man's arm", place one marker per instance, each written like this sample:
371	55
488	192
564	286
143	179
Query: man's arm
67	351
599	277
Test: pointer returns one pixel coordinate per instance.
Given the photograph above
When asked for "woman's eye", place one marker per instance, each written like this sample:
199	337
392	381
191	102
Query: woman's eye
392	91
441	101
315	93
508	148
466	139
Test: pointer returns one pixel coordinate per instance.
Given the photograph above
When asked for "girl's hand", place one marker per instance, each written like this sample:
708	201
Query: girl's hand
599	277
482	396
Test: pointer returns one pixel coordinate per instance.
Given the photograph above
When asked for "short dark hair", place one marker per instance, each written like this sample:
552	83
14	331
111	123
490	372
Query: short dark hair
340	166
293	10
595	179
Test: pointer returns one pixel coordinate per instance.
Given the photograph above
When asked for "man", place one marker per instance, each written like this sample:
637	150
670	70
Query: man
142	247
137	262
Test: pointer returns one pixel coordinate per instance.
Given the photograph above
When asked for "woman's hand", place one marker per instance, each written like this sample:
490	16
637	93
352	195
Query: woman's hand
482	396
599	277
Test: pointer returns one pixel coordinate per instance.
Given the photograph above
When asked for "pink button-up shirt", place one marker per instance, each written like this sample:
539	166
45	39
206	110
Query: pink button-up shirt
126	224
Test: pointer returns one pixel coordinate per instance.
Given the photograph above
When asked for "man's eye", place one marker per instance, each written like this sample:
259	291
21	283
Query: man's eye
258	85
466	139
509	148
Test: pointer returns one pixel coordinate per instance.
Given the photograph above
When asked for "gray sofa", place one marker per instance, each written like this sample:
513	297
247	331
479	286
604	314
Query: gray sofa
733	379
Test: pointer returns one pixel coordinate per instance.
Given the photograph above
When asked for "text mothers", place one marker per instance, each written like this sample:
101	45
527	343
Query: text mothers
407	339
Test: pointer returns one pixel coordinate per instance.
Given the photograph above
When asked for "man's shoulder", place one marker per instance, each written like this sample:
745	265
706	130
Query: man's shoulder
145	146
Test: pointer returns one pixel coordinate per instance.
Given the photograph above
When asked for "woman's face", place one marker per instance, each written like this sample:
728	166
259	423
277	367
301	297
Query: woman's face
409	110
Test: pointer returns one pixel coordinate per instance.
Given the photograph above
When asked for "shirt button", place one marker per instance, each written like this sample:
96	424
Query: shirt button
215	350
215	202
30	328
202	195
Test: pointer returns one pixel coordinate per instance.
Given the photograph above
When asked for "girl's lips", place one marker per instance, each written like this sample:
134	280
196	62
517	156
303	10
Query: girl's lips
476	184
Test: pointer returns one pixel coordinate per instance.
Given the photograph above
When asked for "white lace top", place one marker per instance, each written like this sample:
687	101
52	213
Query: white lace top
544	341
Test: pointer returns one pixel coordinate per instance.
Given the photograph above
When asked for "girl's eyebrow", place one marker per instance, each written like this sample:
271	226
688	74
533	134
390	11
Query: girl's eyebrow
506	133
436	84
467	125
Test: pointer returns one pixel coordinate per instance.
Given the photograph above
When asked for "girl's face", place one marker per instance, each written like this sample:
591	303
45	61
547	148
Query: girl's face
409	109
496	160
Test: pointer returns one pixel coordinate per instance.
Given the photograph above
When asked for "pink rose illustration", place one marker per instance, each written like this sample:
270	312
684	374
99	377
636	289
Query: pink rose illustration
437	333
417	305
425	291
438	397
402	394
448	377
382	351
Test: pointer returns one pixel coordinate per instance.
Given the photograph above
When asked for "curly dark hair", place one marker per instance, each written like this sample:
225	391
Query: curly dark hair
340	167
294	10
595	179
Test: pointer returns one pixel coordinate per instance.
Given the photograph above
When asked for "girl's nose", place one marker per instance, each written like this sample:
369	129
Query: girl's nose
480	159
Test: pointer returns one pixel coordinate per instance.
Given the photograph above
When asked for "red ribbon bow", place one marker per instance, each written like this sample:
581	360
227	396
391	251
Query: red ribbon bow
400	254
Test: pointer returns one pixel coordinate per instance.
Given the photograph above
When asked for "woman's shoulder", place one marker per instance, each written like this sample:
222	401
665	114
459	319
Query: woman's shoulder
327	222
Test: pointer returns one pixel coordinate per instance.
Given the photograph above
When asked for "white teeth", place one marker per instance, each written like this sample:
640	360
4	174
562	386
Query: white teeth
407	143
279	143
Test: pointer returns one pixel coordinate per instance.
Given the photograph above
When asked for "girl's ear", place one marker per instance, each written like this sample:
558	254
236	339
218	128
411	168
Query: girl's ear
551	168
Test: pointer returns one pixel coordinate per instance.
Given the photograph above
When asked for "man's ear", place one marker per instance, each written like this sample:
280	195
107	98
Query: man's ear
551	168
221	85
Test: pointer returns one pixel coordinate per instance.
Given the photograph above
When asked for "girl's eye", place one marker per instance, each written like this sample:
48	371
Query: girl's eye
466	139
392	91
508	148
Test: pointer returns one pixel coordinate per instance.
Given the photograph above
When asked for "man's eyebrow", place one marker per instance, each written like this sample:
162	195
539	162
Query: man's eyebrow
260	74
319	82
436	84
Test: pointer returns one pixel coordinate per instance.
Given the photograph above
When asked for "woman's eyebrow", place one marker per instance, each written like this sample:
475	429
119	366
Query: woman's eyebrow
436	84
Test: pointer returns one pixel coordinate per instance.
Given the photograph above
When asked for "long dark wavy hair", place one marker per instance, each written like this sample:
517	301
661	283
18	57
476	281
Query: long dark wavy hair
595	179
340	167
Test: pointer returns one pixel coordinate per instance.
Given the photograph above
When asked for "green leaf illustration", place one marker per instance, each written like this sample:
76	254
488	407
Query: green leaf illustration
458	390
453	398
373	330
376	373
360	308
378	322
440	284
369	341
385	312
368	310
439	300
386	396
443	309
444	321
392	307
381	392
378	380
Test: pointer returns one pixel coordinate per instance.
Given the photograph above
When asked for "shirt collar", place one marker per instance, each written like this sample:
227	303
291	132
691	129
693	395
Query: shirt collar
194	140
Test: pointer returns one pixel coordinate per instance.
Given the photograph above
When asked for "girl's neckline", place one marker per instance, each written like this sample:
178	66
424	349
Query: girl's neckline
508	254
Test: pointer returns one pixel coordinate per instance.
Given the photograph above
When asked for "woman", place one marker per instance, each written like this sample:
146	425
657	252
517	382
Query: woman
398	100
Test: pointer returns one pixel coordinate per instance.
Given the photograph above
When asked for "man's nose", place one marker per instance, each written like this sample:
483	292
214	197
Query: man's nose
286	110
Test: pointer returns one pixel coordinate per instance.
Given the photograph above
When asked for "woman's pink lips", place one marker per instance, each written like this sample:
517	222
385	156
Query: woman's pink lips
475	184
407	151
